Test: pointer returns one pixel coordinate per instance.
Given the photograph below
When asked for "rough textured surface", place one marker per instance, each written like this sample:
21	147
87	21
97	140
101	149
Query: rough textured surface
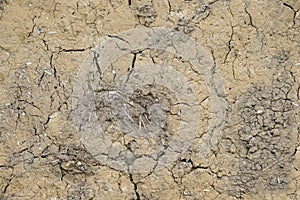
254	151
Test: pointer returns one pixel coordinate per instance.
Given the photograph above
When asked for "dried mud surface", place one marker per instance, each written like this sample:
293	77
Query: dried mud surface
150	125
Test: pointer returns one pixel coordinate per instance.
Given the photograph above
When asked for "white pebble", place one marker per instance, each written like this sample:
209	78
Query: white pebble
259	111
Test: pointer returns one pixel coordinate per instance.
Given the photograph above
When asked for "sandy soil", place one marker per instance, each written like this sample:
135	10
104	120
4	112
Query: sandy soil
140	99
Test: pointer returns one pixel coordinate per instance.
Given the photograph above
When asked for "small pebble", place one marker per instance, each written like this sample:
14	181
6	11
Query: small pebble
259	111
40	31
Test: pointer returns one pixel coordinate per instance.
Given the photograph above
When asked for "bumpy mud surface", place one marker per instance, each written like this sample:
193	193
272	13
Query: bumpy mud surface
142	99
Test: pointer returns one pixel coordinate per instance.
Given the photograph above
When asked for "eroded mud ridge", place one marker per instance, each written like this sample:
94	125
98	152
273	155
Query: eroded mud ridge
150	99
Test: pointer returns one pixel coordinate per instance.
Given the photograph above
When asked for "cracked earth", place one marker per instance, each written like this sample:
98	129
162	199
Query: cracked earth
227	128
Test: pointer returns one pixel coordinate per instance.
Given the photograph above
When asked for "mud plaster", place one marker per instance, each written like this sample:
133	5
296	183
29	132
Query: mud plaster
254	48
